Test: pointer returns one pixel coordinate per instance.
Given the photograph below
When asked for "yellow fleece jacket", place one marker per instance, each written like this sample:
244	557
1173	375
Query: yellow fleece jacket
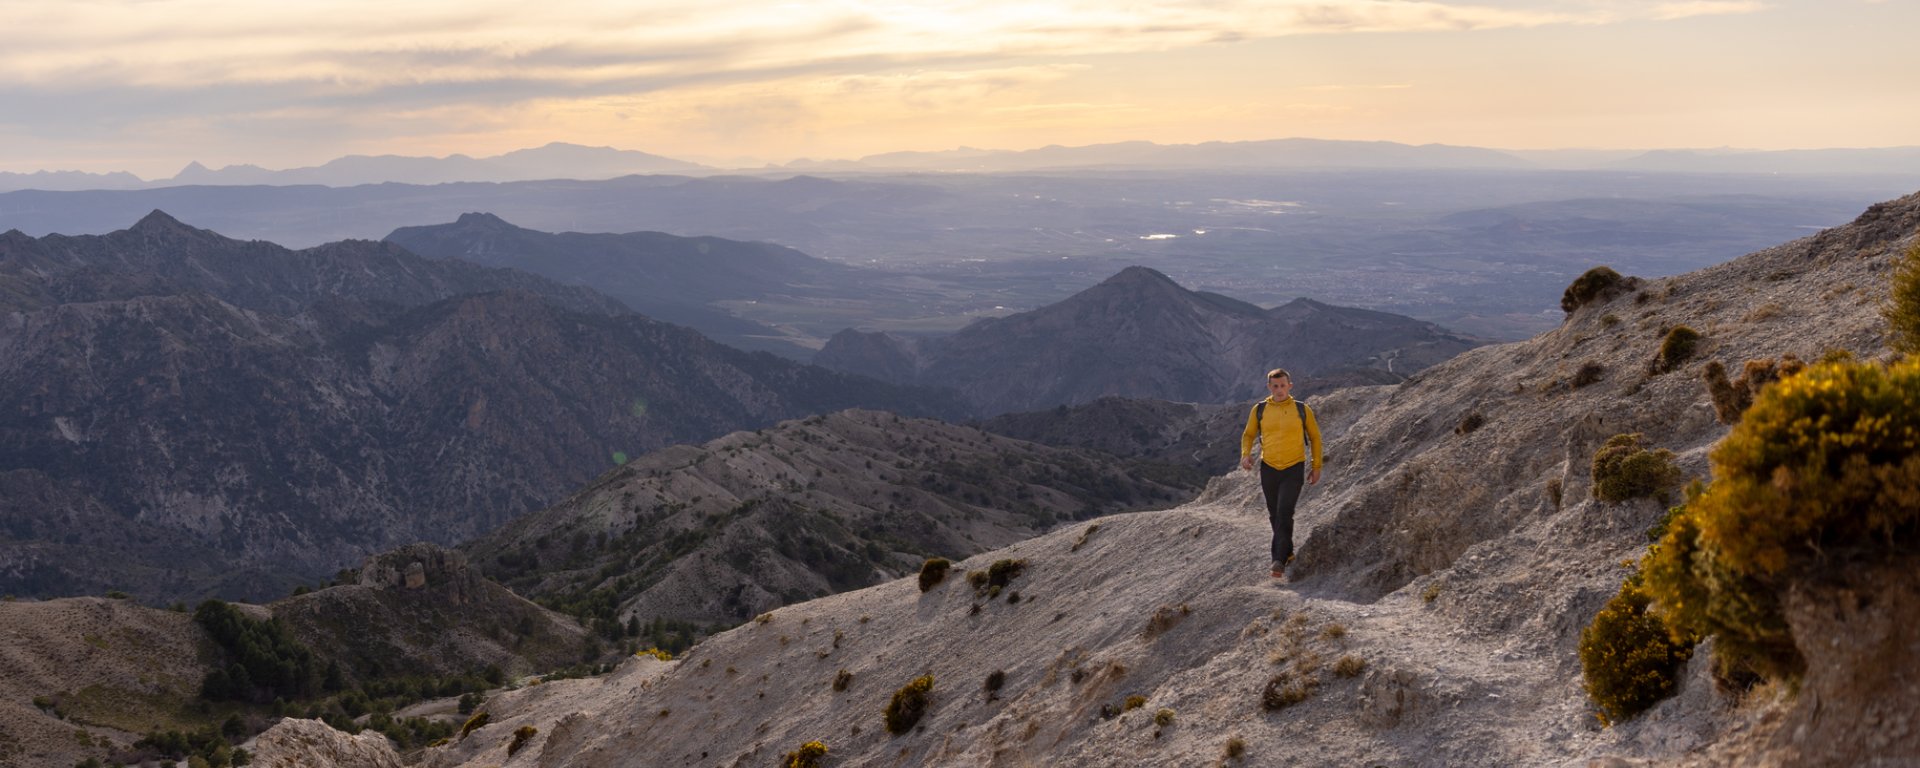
1279	434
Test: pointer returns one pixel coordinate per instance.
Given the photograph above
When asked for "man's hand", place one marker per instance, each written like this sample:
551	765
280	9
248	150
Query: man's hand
1313	477
1246	462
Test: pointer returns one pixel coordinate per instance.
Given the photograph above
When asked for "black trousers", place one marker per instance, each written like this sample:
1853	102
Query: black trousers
1282	487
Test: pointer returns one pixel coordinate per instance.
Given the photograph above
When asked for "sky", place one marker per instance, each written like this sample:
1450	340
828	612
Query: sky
150	85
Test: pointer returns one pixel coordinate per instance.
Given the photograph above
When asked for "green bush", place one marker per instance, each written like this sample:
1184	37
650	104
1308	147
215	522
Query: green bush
1822	470
810	755
909	704
1623	470
996	577
932	572
267	661
1628	658
478	721
1902	310
1679	345
520	737
1597	283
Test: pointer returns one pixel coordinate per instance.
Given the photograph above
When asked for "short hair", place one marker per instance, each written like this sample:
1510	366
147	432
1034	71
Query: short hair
1279	373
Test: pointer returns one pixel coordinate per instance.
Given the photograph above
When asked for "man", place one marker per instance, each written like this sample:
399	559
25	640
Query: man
1284	428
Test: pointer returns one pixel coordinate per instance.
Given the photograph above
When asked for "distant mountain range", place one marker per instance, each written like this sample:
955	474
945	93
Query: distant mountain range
667	277
1141	335
184	414
561	160
558	160
1277	153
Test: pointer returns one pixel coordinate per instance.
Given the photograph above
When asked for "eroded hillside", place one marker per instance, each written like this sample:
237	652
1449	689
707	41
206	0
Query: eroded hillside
721	532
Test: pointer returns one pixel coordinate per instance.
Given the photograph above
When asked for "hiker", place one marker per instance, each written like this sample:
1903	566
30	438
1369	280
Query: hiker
1285	427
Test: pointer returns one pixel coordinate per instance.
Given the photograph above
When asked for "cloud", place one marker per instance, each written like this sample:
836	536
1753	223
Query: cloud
105	66
1682	10
1381	87
363	46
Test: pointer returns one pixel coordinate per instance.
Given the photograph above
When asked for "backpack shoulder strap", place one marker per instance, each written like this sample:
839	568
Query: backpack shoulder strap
1260	415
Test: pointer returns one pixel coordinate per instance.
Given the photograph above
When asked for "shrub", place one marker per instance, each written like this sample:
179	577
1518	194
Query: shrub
1823	469
1350	666
1623	470
995	680
932	572
478	721
1287	689
1164	717
841	680
909	704
267	661
656	653
1728	399
520	737
1732	397
1627	657
1597	283
1676	348
1135	702
1469	423
989	582
1084	535
1588	373
809	755
1164	618
1236	748
1902	309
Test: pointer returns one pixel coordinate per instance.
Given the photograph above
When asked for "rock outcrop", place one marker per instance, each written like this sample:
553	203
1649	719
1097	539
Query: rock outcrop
294	743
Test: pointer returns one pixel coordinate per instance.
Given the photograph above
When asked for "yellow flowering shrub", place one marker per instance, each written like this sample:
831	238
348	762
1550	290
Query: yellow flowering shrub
1627	658
1822	469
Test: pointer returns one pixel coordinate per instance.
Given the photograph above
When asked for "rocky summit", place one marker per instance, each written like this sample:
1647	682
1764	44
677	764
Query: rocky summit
1139	334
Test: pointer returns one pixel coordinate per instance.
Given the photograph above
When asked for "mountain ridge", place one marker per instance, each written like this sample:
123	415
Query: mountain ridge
197	415
1140	334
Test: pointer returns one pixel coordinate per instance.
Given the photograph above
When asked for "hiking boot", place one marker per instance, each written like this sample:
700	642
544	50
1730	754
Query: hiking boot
1279	569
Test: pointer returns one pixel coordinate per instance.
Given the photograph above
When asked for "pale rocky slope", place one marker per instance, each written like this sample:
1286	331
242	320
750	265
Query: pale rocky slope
1444	557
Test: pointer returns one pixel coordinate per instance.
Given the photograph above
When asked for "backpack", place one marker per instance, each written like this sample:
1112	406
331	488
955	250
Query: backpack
1259	423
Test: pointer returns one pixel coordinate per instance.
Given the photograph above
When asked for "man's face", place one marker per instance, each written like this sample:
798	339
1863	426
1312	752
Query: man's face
1280	386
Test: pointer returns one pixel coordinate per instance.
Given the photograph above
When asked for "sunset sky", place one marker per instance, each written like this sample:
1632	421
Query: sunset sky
148	85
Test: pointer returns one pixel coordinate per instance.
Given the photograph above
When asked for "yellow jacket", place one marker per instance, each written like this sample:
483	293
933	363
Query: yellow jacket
1279	434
